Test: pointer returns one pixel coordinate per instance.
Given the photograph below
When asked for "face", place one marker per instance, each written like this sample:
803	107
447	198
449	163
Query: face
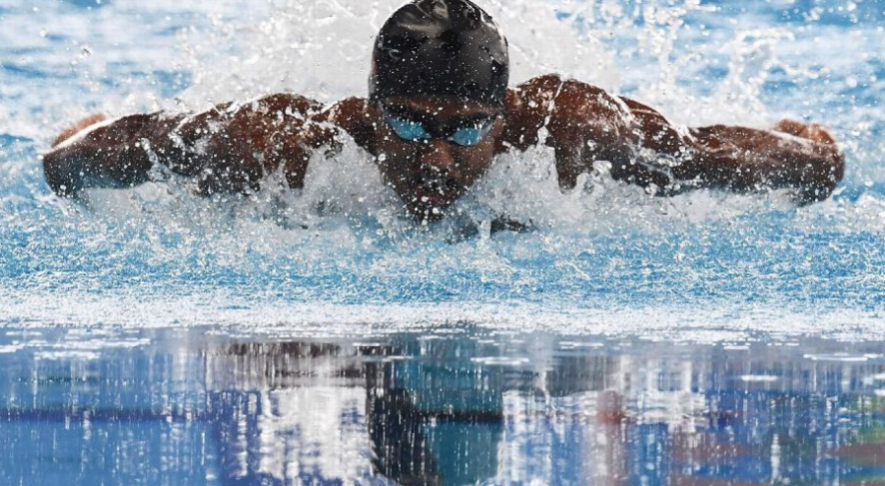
432	149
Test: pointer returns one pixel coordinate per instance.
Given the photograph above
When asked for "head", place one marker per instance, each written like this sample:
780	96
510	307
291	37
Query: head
440	70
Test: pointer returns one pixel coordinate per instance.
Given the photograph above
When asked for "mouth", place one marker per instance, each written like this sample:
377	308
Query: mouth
433	196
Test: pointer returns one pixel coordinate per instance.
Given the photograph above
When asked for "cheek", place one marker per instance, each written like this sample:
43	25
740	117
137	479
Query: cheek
394	157
483	154
475	161
386	145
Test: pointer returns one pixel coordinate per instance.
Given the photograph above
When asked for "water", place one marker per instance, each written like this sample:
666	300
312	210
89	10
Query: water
446	406
126	299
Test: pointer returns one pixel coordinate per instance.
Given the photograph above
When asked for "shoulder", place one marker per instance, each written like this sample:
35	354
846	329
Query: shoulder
289	103
526	108
541	84
549	101
275	110
543	95
571	100
356	116
258	118
349	111
552	86
533	95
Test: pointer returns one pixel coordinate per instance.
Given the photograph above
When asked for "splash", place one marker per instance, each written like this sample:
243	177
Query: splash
345	240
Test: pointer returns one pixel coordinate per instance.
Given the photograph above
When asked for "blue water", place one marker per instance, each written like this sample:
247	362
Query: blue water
139	287
459	407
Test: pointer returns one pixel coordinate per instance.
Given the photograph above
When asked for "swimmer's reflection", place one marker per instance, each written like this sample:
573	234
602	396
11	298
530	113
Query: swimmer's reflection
430	425
411	441
428	416
454	410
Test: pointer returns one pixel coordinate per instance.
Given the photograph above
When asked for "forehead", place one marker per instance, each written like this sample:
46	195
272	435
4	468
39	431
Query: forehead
441	107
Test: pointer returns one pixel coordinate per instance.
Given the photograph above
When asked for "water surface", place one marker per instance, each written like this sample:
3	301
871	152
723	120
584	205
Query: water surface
453	406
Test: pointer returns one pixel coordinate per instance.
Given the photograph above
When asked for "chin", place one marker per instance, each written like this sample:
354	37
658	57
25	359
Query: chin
428	214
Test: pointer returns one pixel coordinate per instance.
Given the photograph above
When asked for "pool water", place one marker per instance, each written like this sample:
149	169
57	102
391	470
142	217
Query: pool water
321	336
448	406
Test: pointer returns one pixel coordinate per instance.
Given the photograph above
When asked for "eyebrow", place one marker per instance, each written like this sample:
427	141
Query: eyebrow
407	113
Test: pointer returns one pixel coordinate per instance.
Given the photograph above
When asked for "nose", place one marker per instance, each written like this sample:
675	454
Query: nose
436	157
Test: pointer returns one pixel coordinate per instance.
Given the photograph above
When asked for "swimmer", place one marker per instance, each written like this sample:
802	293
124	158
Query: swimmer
438	111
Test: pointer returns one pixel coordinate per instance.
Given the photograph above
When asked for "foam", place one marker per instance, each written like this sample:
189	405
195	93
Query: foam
226	312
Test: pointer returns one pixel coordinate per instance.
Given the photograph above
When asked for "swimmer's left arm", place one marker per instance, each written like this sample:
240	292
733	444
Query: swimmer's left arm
792	155
586	125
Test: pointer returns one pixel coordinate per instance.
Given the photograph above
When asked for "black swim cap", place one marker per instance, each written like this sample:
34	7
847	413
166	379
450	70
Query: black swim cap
441	47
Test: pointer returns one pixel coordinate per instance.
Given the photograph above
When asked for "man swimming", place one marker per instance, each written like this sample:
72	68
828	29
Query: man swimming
438	112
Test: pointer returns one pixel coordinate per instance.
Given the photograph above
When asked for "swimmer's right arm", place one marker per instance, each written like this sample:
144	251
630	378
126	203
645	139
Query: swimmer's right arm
226	149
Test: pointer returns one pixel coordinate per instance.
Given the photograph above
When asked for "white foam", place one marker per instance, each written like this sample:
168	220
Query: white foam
759	378
230	310
323	50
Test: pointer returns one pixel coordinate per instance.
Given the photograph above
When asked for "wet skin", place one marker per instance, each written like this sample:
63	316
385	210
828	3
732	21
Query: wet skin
232	148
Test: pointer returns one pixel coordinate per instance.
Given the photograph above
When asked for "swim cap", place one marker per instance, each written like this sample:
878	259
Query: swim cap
441	47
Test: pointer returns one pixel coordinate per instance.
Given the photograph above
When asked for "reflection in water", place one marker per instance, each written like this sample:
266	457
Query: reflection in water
179	407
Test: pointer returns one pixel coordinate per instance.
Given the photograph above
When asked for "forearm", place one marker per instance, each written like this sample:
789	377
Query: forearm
672	158
744	159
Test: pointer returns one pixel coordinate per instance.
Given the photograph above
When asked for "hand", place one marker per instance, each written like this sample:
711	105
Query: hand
78	127
809	131
824	163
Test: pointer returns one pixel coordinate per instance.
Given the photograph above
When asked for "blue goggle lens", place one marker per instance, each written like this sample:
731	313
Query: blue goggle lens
469	136
407	129
413	131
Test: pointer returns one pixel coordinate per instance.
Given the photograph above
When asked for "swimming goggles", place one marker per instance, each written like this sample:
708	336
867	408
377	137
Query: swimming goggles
465	133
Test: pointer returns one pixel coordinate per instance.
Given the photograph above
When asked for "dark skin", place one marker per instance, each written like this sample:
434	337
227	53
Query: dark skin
231	149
